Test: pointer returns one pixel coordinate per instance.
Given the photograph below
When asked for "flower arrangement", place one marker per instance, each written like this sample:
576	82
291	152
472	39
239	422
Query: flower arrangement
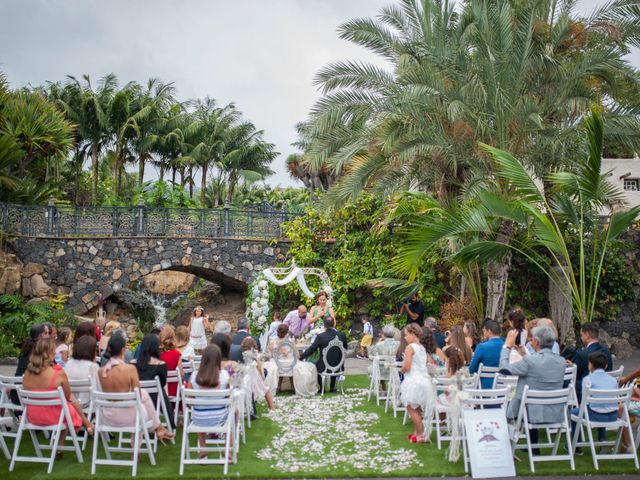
258	305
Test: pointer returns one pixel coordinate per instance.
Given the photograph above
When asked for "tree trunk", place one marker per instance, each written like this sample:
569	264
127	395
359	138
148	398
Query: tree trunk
140	170
232	186
78	172
203	183
191	182
173	174
562	307
162	173
497	276
96	173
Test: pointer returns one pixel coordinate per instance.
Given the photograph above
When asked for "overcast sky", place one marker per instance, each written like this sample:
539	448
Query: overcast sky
260	54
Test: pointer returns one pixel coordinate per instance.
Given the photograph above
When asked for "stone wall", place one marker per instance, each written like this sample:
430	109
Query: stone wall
86	269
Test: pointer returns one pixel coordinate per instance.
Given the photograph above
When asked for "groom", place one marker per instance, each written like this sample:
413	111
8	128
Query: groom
320	343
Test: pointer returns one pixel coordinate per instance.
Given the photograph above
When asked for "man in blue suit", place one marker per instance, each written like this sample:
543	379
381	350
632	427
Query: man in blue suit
488	352
589	333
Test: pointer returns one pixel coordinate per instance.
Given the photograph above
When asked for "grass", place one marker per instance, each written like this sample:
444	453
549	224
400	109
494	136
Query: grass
260	435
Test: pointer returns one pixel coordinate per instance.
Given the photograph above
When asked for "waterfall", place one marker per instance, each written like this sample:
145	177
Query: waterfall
160	304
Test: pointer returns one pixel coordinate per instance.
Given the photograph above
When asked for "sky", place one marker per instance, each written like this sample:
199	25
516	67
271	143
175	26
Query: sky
260	54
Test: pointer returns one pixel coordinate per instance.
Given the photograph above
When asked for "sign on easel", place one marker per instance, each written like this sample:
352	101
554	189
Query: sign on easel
488	442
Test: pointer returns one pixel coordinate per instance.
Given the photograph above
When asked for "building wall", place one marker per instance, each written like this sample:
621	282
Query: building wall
621	169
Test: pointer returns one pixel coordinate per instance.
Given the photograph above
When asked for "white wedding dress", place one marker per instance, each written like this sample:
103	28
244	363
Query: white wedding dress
305	375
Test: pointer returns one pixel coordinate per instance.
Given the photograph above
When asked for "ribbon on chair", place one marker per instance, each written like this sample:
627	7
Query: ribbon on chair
456	395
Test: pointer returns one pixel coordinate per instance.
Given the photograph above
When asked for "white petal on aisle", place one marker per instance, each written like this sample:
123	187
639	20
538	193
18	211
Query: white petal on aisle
322	433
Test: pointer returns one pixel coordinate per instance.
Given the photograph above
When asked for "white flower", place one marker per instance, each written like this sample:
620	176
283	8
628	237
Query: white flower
263	302
262	319
265	294
254	305
263	284
328	290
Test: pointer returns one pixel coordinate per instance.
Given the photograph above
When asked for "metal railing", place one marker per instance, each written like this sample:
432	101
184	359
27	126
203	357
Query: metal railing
262	222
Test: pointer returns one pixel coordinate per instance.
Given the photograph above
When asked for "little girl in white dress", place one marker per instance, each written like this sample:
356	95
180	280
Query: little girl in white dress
198	325
416	390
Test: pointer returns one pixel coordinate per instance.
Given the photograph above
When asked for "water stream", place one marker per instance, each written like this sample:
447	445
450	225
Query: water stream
161	303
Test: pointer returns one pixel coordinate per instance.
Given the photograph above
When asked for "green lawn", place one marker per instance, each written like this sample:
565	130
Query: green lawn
387	438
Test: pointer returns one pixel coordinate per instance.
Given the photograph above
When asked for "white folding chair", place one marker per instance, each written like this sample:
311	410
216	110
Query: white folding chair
336	370
544	399
81	389
441	420
591	397
11	410
154	387
485	372
55	398
393	391
140	439
479	398
617	373
375	389
223	435
570	376
173	378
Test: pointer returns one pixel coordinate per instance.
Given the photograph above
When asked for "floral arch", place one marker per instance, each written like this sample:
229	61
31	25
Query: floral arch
258	302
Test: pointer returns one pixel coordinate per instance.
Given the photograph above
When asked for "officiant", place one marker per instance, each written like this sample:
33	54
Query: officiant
320	343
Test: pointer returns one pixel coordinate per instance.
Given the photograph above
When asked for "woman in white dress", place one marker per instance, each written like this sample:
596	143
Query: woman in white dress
198	325
305	374
416	390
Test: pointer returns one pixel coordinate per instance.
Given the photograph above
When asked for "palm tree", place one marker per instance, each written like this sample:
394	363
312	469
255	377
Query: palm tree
514	75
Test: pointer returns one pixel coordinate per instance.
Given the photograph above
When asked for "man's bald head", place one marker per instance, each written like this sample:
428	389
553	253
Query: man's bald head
302	310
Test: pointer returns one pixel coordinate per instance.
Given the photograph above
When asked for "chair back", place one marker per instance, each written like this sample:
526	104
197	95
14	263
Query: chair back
51	398
335	345
285	355
544	406
570	374
173	377
81	389
7	385
485	398
617	373
485	372
187	370
602	397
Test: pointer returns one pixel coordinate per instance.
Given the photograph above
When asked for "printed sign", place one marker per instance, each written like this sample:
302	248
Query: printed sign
488	442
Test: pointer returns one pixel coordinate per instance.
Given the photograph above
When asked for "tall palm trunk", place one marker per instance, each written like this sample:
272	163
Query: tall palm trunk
173	174
96	172
233	180
191	182
498	274
141	162
203	183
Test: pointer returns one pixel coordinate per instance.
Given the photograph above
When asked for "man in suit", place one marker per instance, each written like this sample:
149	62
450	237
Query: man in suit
224	327
488	352
320	343
542	370
242	333
589	333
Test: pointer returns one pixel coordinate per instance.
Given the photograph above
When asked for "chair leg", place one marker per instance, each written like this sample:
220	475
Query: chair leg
55	436
16	445
592	446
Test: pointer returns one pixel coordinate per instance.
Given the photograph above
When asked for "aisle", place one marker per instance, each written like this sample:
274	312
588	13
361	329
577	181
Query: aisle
332	433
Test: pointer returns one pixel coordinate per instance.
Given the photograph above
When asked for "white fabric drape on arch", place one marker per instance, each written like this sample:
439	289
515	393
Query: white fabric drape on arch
296	273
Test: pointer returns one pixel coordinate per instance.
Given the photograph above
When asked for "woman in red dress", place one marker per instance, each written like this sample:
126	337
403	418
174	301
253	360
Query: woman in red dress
170	355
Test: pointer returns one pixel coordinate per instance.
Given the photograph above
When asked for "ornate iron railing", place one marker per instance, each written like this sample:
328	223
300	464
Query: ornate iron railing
261	222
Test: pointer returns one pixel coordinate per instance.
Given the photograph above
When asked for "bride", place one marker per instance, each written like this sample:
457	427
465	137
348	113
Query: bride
305	374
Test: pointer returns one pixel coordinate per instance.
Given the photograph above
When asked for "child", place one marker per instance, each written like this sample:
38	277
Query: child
273	328
598	379
259	388
455	361
198	325
209	376
416	391
367	338
62	348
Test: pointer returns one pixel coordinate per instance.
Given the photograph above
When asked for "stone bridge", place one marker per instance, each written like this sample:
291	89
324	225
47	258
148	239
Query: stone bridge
87	269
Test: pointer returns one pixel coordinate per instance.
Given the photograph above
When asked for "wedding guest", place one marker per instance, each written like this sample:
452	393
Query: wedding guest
182	343
82	364
242	332
210	375
320	343
44	376
455	362
488	352
281	334
53	330
198	325
36	332
471	335
127	355
170	355
273	327
109	328
598	379
432	324
82	329
416	388
589	333
320	311
62	346
223	342
148	364
517	321
387	346
297	321
402	346
457	339
367	338
119	377
235	351
435	356
259	388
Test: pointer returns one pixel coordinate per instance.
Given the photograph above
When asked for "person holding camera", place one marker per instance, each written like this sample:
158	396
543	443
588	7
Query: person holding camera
414	309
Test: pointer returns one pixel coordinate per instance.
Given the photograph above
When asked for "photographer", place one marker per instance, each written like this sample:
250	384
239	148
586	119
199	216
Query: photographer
414	309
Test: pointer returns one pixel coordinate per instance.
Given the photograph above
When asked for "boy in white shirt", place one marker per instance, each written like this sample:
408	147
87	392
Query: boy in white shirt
367	338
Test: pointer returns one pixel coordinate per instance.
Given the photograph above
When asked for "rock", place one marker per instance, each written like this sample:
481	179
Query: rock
169	282
164	264
605	338
106	263
39	287
33	268
60	252
93	250
10	280
621	348
352	348
60	290
208	293
117	273
268	251
185	261
36	300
